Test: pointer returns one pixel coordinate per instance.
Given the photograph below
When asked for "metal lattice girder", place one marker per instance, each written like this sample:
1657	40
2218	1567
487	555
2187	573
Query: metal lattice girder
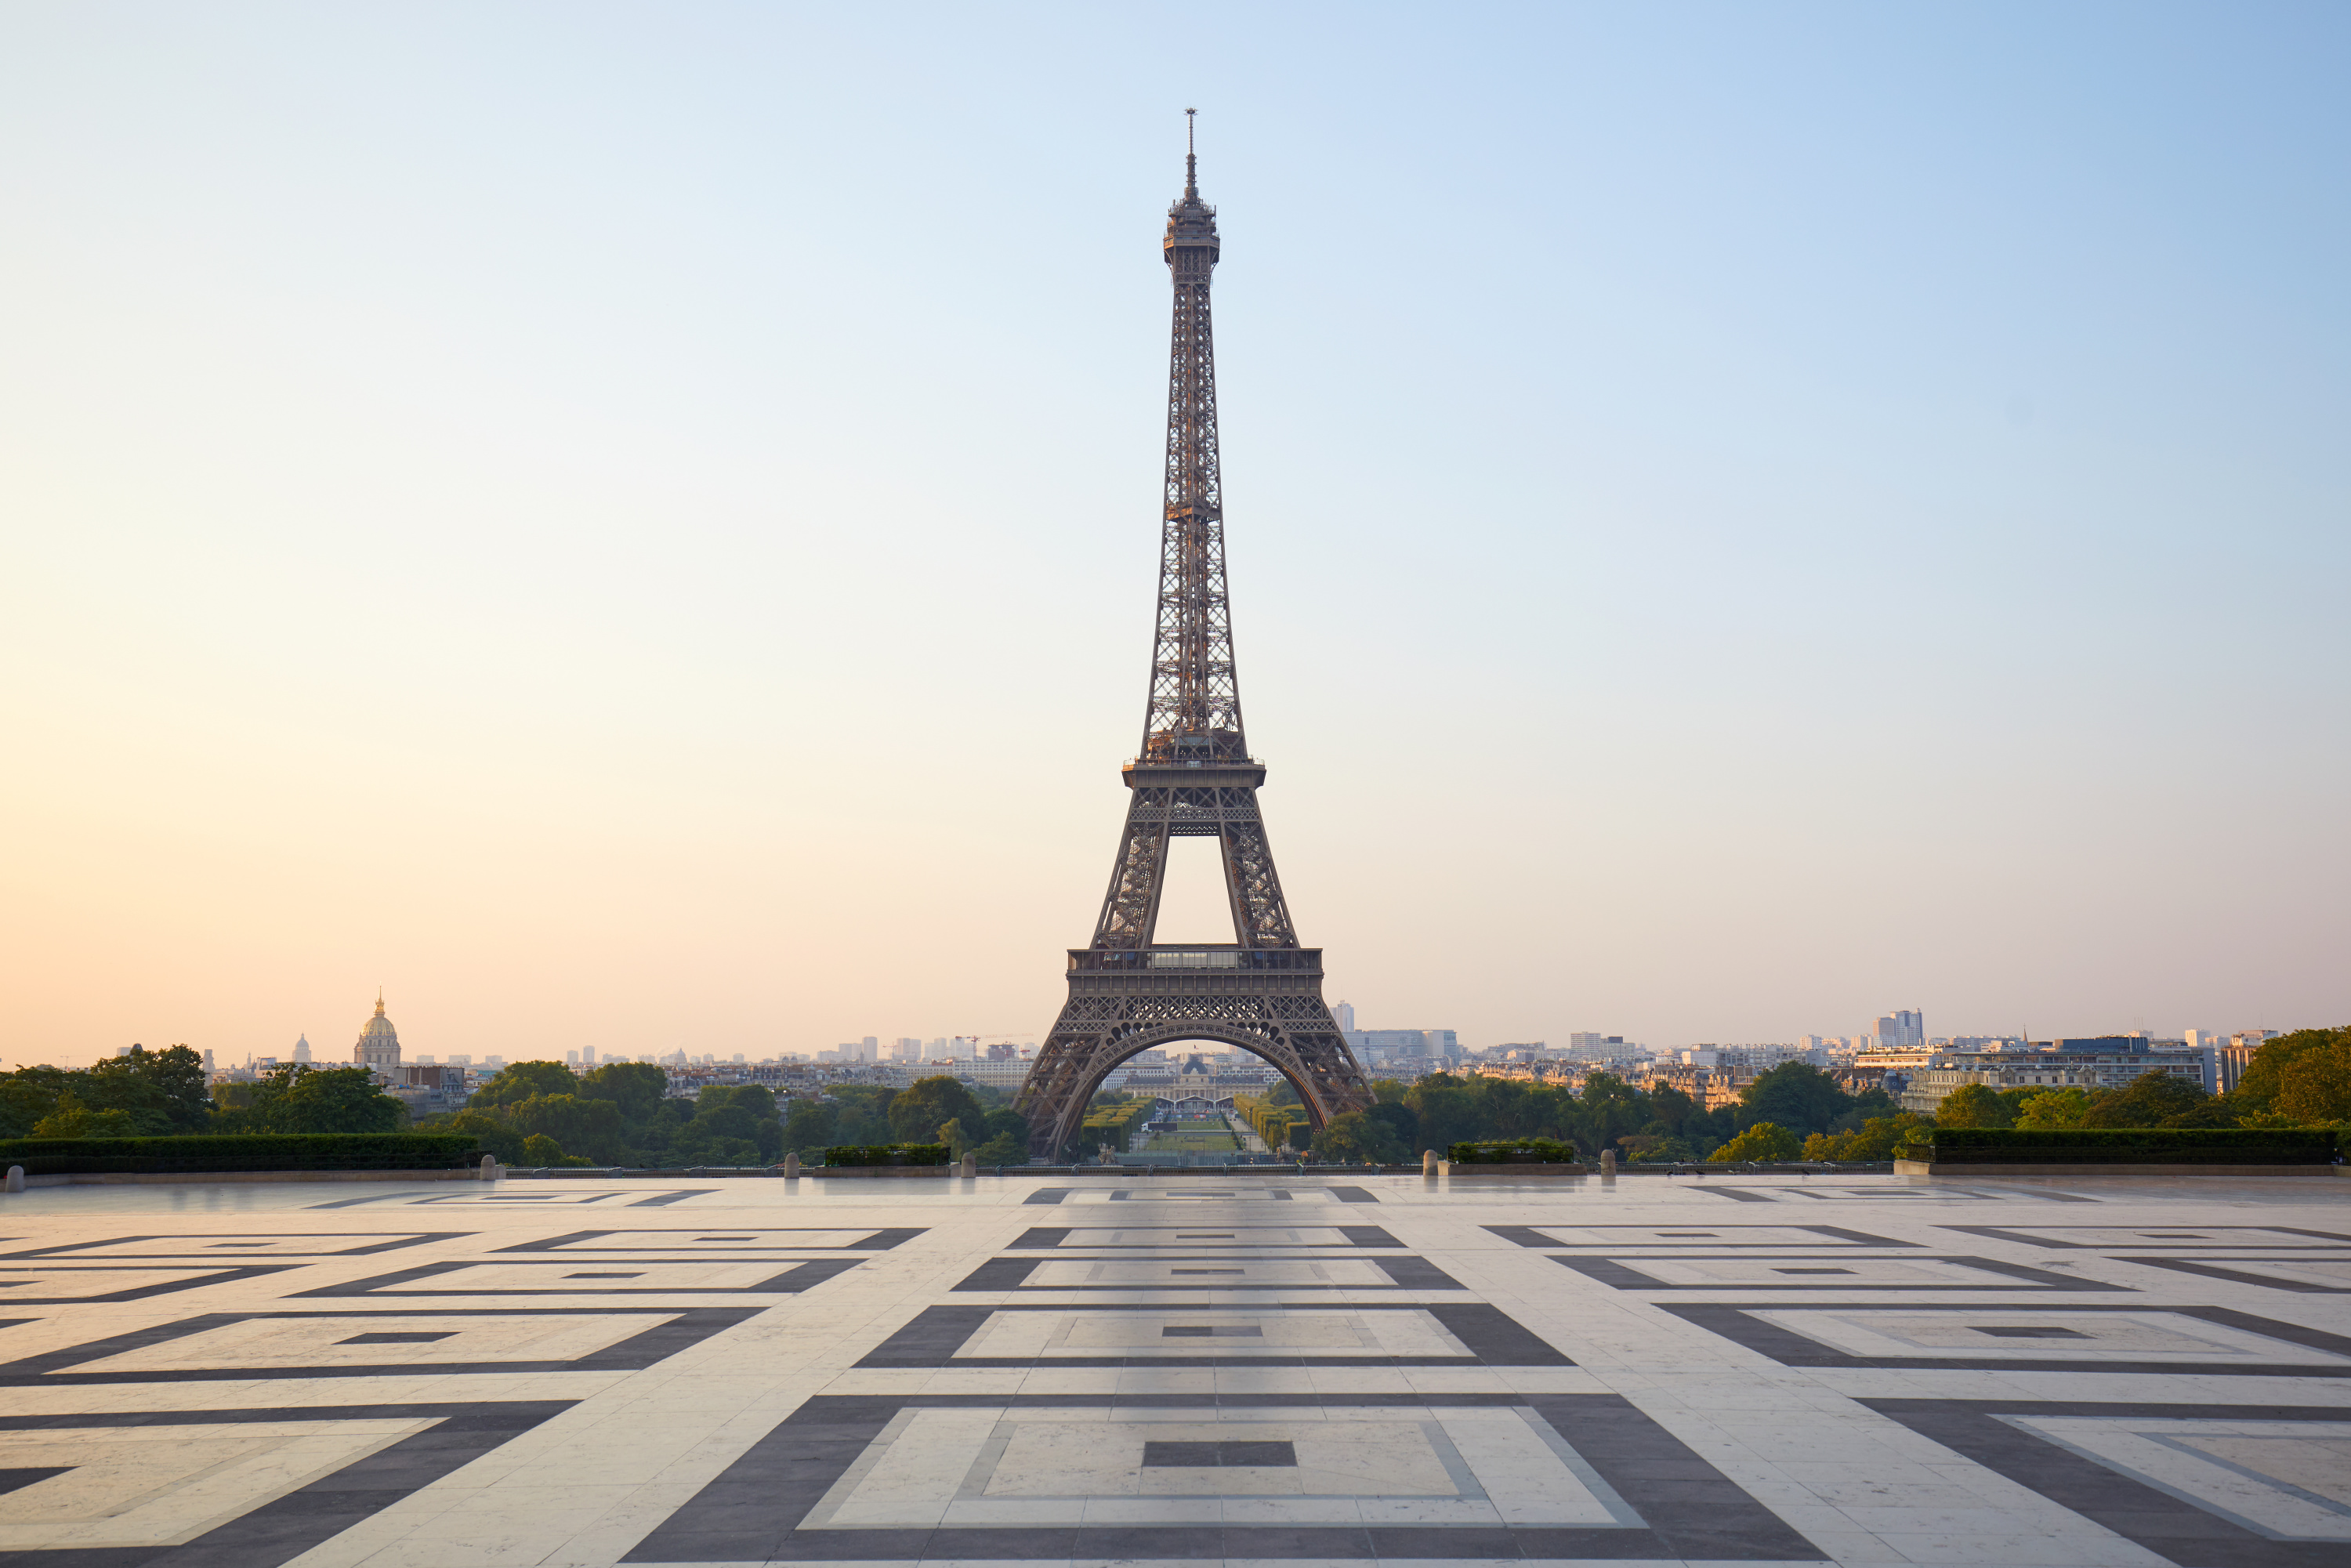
1194	779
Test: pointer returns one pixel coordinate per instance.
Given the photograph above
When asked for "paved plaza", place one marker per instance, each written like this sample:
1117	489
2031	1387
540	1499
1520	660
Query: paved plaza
1162	1369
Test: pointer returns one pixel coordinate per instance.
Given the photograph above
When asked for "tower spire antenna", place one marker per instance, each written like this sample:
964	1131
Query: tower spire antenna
1191	153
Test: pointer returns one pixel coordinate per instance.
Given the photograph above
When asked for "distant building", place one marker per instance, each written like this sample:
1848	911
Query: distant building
1901	1029
1431	1048
378	1046
2094	1065
997	1073
302	1048
1344	1012
907	1049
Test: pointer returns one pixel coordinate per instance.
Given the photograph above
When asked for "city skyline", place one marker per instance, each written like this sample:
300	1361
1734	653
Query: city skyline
884	1049
1843	513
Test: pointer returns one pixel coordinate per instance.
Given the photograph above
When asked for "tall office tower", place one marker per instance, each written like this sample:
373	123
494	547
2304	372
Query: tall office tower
1193	776
1343	1015
1899	1028
869	1049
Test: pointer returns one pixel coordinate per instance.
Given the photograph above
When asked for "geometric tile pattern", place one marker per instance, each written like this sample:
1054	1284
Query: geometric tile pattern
239	1347
2080	1337
229	1486
1714	1271
1180	1369
2198	1238
2308	1276
2257	1486
883	1478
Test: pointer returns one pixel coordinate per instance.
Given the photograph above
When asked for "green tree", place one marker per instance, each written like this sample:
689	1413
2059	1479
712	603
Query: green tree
638	1088
1763	1141
2151	1100
493	1134
585	1126
1403	1120
522	1081
1975	1105
295	1097
1005	1139
2264	1077
1609	1108
1794	1095
1359	1136
72	1119
539	1150
166	1086
863	1114
1670	1107
732	1124
1875	1139
141	1094
809	1127
29	1095
1870	1103
917	1111
2054	1110
2315	1084
1447	1113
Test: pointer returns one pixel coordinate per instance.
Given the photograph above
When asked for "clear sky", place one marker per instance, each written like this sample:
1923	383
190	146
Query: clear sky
635	525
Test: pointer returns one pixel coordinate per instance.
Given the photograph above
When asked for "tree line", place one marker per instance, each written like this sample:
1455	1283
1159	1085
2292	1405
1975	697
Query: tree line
1797	1110
154	1093
621	1114
531	1113
543	1113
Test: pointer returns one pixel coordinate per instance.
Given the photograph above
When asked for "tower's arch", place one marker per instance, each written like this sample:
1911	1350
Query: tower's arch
1111	1055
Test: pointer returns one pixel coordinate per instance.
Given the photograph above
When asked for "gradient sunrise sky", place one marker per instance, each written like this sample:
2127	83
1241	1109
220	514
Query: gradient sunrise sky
633	525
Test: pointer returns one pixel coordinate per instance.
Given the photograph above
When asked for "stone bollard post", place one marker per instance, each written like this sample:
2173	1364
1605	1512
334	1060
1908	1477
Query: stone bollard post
1608	1162
968	1166
1428	1161
489	1169
15	1179
792	1167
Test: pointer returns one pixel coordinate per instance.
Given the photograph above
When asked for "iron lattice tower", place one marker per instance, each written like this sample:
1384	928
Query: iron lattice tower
1193	775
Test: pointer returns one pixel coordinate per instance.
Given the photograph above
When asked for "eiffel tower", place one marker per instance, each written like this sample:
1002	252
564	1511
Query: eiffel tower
1263	992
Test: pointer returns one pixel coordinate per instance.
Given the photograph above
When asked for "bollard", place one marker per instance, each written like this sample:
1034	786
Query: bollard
15	1179
792	1167
490	1170
968	1166
1428	1161
1608	1162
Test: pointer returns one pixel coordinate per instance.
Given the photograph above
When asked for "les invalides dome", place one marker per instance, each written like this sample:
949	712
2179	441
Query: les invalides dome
378	1046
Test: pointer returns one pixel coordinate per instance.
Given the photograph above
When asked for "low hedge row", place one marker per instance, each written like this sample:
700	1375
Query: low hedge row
241	1151
887	1154
2130	1145
1522	1151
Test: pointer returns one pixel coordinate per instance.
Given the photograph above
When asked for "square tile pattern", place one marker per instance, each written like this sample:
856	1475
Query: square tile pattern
1178	1371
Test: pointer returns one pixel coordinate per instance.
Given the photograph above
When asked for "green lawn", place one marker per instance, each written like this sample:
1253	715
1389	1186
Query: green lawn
1196	1138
